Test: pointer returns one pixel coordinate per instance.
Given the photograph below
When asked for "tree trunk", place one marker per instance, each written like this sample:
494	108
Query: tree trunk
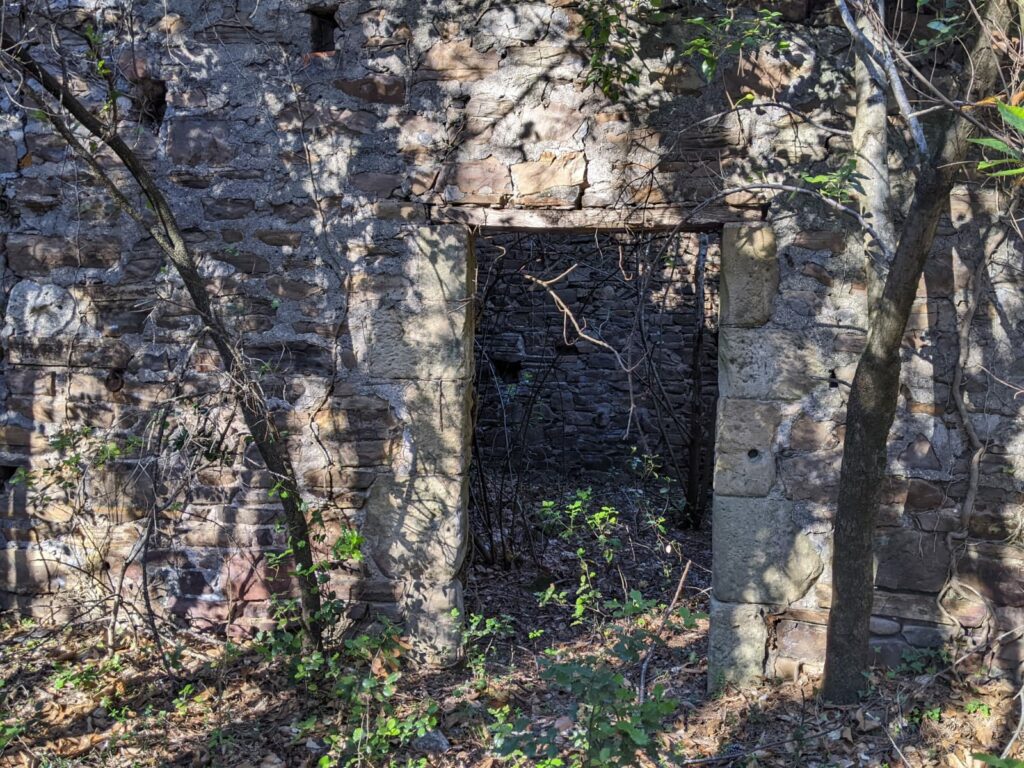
875	390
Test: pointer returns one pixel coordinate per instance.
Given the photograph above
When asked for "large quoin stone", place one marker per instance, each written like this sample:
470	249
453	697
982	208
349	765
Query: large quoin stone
744	462
760	555
737	644
750	274
763	364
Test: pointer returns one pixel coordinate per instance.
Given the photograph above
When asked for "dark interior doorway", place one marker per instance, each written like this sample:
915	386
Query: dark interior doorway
596	363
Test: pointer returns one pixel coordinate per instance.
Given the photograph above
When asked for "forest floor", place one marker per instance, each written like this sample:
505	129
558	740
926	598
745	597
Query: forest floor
556	647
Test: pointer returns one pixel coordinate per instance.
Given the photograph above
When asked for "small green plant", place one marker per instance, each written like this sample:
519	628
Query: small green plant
562	520
948	24
718	37
86	677
919	661
837	184
551	595
1010	161
362	676
976	707
478	637
8	733
184	698
999	762
587	594
611	33
609	725
918	715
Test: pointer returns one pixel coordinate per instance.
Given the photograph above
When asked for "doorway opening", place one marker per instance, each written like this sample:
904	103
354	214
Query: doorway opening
596	374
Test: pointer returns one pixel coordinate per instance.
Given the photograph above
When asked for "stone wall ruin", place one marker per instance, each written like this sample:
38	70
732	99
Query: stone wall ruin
330	171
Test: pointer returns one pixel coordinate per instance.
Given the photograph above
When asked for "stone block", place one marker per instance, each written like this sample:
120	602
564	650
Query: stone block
807	434
415	529
478	182
737	644
911	560
434	617
995	570
761	364
929	635
417	325
31	571
192	141
551	180
40	310
36	255
812	477
800	640
437	432
84	353
749	274
227	209
744	459
760	555
379	89
8	155
120	491
456	60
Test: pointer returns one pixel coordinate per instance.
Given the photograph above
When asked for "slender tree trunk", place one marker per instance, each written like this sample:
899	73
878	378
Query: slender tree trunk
246	389
874	393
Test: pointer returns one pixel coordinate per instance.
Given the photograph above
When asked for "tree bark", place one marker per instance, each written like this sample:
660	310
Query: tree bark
246	389
874	393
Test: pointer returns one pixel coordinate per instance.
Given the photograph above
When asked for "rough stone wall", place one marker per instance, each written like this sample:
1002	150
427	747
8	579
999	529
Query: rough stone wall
550	401
329	193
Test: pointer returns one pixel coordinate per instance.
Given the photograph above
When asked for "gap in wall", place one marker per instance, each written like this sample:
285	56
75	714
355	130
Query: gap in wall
614	390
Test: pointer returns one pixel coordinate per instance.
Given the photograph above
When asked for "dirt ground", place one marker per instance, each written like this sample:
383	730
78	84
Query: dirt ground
67	699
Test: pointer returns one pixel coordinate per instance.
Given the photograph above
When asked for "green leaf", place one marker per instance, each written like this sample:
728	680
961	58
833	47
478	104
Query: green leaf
1014	116
984	165
1009	172
997	145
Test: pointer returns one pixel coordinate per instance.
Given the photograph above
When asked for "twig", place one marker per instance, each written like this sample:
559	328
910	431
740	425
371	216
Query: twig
1020	725
649	653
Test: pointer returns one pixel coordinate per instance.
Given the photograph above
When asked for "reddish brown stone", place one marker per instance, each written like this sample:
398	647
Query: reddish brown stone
227	209
382	89
36	255
192	142
378	184
477	182
912	560
457	60
279	237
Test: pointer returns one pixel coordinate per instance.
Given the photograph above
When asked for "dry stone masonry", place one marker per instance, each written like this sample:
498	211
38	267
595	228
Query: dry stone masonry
550	404
332	165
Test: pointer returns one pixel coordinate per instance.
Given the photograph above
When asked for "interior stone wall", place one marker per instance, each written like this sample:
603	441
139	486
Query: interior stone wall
550	401
330	192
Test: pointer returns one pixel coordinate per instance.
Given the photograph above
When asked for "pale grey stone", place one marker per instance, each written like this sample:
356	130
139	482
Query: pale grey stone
749	276
760	556
39	311
744	460
769	364
737	645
